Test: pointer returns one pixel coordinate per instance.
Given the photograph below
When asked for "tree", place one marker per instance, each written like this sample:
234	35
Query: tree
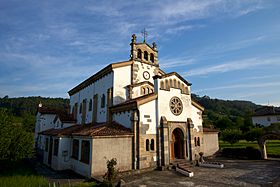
224	123
15	142
254	134
231	135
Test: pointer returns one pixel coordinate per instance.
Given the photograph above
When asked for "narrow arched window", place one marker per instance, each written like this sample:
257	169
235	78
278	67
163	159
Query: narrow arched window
146	55
103	101
147	145
80	109
187	90
152	144
152	58
166	84
139	54
143	90
178	84
170	82
90	105
148	90
195	142
161	84
198	141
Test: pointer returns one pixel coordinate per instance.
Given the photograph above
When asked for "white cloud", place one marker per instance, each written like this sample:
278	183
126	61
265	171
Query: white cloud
233	66
175	62
175	30
237	86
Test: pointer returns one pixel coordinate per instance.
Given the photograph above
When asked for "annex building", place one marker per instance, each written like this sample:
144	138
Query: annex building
132	111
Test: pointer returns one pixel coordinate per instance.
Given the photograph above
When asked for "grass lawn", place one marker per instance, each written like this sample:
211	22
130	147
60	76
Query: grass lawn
272	146
20	173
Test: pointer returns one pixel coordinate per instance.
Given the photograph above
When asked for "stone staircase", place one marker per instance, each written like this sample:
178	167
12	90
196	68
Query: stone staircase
183	167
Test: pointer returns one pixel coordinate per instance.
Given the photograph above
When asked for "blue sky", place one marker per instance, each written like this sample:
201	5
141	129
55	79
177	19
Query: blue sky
227	49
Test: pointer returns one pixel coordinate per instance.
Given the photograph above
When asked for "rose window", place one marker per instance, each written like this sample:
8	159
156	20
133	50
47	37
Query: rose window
176	106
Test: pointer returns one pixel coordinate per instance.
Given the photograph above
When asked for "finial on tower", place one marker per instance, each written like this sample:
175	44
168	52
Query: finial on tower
133	39
154	46
145	34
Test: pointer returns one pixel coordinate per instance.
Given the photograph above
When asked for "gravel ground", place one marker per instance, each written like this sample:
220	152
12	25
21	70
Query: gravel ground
235	173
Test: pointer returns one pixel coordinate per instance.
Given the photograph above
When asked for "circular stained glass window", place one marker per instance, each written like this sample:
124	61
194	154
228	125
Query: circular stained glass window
176	106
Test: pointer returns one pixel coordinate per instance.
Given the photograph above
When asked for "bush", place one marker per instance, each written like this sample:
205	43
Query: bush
254	134
242	153
111	173
231	135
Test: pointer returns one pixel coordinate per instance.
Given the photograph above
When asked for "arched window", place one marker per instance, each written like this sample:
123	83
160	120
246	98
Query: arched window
90	105
103	101
139	54
161	84
178	84
152	144
148	90
145	55
147	145
166	84
143	90
170	82
174	83
80	109
187	90
198	141
152	57
195	142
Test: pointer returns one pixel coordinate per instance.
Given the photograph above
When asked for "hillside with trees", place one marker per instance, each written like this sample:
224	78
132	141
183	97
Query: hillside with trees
227	114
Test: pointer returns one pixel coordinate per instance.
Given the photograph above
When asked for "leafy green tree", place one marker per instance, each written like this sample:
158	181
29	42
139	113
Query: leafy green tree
15	142
254	134
224	123
231	135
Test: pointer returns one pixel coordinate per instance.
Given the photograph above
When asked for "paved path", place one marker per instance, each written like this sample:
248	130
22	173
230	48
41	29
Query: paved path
236	173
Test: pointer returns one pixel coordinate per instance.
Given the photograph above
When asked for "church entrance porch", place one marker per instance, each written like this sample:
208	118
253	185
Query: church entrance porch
177	145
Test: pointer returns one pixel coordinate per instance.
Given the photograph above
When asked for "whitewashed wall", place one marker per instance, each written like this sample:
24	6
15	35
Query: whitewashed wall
196	118
43	122
150	110
122	78
123	118
99	87
164	99
145	67
264	120
80	167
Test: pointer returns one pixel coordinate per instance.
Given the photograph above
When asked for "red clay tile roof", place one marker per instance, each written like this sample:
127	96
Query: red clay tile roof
267	111
102	129
62	114
135	100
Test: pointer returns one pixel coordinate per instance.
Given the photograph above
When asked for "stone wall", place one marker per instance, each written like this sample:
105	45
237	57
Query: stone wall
211	143
104	149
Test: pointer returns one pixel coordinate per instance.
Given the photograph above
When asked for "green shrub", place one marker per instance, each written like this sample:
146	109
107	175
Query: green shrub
242	153
231	135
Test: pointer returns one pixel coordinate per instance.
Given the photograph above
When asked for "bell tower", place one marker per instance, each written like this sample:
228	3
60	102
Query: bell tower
143	52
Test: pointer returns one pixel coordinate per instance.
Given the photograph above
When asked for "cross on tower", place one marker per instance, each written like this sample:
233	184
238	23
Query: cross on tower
145	34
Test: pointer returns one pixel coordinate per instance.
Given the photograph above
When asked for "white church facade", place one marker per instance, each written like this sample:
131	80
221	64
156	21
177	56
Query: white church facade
132	111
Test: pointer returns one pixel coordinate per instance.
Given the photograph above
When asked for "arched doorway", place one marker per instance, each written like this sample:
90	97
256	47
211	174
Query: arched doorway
177	144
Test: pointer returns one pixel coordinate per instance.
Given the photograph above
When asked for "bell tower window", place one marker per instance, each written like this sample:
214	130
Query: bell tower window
146	55
152	58
139	54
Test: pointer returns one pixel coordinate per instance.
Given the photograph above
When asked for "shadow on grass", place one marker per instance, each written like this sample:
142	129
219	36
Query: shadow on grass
19	173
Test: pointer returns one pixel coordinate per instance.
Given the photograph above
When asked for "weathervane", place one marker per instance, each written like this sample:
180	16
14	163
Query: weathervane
145	34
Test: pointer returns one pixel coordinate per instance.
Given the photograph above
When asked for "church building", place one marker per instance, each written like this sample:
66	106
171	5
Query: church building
132	111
